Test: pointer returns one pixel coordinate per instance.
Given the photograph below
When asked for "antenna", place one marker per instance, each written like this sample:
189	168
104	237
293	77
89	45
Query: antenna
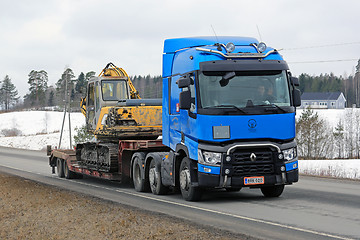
257	27
214	33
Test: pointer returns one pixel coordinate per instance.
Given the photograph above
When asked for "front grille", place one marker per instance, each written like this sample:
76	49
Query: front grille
253	169
253	162
243	157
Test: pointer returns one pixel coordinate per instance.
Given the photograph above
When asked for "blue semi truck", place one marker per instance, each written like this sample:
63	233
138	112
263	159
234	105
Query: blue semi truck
228	122
229	108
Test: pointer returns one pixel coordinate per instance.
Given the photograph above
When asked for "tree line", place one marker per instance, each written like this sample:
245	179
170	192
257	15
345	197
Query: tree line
316	139
40	94
349	85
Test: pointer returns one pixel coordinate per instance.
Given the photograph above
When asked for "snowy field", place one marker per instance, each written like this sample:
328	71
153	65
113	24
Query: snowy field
36	129
331	116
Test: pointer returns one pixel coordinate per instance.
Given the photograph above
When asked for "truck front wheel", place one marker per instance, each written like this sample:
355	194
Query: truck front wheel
273	191
188	191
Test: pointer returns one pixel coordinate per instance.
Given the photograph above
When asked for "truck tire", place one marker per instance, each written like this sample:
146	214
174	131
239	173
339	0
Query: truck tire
138	176
68	174
188	191
60	167
273	191
156	185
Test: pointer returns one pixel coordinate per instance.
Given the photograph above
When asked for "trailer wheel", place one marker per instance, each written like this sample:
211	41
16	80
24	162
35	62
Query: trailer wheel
188	191
60	167
273	191
156	185
68	174
138	176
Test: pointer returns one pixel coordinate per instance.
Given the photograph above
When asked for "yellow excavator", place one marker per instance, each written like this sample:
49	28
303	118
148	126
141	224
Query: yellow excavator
114	110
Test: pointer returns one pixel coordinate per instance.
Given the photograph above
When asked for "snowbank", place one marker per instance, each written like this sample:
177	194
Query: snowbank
332	168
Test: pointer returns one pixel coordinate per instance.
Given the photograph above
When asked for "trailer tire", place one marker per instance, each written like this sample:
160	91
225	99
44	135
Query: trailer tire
273	191
156	185
188	191
138	175
68	174
60	167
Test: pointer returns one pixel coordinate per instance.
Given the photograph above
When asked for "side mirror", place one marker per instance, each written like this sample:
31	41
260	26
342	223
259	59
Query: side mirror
184	82
185	100
297	98
295	81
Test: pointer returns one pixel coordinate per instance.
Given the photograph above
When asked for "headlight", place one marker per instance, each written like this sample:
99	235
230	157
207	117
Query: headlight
210	158
289	154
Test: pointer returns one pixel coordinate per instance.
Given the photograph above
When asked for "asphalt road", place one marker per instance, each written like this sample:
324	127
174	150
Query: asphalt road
313	208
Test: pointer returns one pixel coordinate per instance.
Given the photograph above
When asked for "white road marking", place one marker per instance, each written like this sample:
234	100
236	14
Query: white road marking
197	208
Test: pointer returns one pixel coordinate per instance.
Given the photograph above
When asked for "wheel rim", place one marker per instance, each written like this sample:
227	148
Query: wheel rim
66	170
185	179
58	166
153	177
137	174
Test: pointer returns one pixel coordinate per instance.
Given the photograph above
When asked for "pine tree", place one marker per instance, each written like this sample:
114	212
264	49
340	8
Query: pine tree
80	86
38	85
89	75
8	93
51	101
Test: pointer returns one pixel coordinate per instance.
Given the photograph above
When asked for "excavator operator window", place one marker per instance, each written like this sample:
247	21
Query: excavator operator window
114	90
90	108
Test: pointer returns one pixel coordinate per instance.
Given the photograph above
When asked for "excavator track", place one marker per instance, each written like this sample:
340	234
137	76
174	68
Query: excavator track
98	156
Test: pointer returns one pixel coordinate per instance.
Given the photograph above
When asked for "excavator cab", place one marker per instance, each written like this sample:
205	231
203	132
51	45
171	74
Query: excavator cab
114	109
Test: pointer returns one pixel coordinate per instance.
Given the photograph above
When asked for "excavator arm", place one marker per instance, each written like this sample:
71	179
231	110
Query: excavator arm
111	70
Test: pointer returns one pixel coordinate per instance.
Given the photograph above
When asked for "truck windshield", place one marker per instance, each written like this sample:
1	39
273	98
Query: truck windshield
114	90
244	89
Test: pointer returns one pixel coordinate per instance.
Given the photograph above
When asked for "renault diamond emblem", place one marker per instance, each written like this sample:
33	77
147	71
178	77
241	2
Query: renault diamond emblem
252	157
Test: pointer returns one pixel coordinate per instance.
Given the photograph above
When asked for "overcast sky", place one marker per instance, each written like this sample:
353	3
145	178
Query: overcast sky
85	35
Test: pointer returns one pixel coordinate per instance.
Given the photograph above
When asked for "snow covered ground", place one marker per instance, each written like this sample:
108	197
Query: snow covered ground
36	129
332	116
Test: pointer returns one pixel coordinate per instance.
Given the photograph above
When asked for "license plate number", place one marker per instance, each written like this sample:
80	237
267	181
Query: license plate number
253	180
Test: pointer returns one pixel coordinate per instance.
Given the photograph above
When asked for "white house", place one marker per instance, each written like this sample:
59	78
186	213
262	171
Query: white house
326	100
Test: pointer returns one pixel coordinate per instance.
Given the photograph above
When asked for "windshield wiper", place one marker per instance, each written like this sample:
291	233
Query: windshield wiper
227	106
274	106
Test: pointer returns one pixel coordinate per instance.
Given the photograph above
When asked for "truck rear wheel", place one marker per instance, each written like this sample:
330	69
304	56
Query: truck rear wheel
188	191
156	185
273	191
138	175
60	167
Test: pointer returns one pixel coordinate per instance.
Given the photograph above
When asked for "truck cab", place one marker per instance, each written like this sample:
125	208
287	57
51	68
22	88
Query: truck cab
228	115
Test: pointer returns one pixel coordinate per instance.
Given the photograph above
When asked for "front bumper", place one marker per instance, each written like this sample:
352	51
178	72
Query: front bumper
263	160
212	180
